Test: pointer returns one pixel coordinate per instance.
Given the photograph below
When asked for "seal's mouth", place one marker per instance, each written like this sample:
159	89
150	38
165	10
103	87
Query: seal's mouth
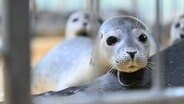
128	68
130	79
82	33
132	67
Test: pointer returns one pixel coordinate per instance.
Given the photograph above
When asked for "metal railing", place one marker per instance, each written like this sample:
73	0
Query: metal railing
16	53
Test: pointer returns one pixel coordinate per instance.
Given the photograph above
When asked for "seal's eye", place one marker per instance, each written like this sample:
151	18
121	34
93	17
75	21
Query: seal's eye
75	20
111	40
143	38
177	25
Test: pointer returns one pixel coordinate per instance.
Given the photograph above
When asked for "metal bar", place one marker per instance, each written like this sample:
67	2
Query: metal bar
174	8
158	72
17	60
93	6
33	17
135	6
97	7
169	96
89	4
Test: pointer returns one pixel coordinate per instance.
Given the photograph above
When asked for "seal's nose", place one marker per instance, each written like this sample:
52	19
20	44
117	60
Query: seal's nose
85	24
132	53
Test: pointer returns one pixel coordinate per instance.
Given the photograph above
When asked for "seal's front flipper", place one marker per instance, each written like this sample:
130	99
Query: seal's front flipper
66	92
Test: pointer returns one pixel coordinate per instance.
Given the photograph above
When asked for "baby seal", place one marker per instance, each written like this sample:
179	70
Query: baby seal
79	24
177	30
64	66
123	43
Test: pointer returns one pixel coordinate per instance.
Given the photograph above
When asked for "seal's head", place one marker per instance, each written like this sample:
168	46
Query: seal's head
79	24
124	44
177	30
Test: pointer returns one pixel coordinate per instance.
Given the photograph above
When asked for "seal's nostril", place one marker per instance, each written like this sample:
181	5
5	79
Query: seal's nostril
182	36
132	53
117	61
85	24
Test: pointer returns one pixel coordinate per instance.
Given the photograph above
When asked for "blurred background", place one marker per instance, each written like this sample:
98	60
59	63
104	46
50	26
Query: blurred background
48	18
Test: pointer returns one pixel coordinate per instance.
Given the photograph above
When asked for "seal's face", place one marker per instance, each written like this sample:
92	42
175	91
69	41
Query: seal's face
177	30
125	43
78	24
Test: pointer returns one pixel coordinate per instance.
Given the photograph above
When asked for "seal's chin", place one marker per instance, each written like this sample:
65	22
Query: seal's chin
82	33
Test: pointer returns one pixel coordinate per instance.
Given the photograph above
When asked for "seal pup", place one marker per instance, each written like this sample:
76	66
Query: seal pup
177	30
64	66
80	24
123	43
173	61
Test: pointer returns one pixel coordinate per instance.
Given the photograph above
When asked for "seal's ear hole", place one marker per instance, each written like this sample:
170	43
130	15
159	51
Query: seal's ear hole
177	25
91	60
143	38
101	35
112	40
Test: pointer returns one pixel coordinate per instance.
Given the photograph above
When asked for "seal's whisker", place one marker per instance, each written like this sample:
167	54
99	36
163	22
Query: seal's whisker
113	69
110	70
148	67
149	62
107	73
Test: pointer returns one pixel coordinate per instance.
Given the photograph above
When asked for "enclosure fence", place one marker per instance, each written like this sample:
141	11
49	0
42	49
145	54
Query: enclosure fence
16	53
